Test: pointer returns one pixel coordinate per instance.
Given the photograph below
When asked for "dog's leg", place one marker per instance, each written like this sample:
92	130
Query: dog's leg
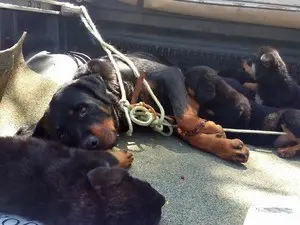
210	137
289	152
203	135
289	144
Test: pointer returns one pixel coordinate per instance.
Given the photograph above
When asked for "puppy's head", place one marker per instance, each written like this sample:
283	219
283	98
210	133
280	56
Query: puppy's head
80	115
265	63
200	83
125	200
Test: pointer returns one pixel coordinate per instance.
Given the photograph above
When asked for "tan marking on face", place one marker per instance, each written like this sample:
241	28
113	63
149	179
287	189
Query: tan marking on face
249	69
71	112
105	132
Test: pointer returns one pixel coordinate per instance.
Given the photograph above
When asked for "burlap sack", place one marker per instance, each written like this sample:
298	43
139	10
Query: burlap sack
24	94
278	16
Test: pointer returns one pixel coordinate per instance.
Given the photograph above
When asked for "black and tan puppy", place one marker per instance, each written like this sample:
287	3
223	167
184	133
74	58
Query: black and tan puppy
213	93
56	185
275	86
222	103
86	113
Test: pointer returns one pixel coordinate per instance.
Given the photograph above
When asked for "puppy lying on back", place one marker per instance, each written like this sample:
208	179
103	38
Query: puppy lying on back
275	86
56	185
220	102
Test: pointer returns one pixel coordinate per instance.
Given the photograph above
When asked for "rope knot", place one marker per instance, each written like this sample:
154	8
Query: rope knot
124	103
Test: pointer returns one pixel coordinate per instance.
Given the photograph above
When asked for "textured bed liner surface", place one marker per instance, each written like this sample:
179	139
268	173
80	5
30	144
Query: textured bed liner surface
203	189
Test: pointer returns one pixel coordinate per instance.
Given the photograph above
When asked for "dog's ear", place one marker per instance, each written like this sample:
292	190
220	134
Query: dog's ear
267	60
95	86
106	176
40	130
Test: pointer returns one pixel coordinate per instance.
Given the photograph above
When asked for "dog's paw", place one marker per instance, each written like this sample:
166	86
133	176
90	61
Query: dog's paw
235	150
124	157
288	152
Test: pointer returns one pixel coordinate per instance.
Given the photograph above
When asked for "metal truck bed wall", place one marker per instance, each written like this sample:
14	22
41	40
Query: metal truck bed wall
184	40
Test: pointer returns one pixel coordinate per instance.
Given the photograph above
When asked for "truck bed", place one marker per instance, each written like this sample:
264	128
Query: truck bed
200	188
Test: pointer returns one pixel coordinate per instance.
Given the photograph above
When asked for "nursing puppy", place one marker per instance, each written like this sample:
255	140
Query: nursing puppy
275	86
225	105
56	185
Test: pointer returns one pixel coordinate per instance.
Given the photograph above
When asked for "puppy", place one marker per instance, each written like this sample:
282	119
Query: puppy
56	185
222	103
275	87
214	94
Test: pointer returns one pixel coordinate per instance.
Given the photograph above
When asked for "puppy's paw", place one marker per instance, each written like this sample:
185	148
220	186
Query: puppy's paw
124	157
288	152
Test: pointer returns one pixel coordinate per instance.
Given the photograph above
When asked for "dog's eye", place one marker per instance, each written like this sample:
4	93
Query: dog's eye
82	110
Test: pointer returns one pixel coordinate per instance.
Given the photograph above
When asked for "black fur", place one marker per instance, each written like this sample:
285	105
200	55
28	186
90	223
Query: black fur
237	86
97	90
230	108
276	88
237	74
219	102
56	185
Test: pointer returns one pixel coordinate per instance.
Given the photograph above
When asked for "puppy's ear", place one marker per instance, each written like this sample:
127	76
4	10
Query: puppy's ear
267	60
95	86
106	176
40	130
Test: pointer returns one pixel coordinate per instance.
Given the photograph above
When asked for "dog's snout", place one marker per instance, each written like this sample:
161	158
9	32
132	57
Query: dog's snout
91	142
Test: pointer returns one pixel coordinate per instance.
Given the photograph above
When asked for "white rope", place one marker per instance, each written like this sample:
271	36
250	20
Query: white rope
156	122
266	132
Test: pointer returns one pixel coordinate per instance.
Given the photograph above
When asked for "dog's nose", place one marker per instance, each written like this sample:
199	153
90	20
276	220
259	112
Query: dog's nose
91	142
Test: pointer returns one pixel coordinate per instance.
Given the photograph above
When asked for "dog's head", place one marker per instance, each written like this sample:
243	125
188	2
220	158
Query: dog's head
80	115
265	63
125	200
200	83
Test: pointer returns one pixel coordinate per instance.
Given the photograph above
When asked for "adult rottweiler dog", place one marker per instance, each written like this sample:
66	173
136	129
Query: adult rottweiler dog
86	113
56	185
225	105
275	86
